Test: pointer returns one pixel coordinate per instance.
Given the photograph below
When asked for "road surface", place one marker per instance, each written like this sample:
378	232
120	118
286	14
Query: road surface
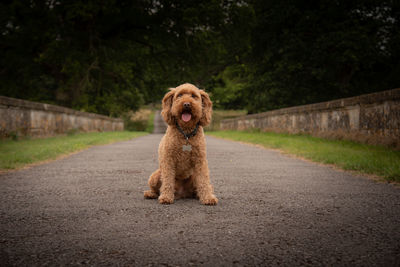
88	209
159	125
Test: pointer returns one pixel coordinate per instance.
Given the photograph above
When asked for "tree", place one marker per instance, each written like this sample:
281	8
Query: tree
311	51
110	56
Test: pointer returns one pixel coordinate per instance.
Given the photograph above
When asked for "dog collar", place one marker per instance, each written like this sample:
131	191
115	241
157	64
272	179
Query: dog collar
187	136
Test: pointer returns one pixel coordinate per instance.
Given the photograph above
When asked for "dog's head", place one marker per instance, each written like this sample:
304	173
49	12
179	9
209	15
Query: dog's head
187	105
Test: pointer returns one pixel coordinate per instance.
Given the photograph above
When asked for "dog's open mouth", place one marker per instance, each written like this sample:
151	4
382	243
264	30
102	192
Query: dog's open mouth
186	116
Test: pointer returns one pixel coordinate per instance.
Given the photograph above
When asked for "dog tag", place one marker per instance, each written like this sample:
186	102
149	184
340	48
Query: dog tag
186	148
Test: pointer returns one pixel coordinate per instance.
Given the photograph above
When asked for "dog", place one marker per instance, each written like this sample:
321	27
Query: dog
183	168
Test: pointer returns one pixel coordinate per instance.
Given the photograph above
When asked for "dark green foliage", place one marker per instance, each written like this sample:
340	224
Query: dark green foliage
108	56
136	126
312	51
112	56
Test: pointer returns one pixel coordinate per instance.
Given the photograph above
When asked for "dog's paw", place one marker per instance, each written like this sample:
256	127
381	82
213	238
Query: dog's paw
150	194
163	199
212	200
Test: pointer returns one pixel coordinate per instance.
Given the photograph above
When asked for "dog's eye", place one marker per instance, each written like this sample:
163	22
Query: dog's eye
194	96
179	95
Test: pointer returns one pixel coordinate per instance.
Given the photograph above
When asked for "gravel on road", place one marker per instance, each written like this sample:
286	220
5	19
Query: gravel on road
88	209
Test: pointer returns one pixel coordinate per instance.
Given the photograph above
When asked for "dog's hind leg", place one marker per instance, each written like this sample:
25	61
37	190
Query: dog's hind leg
155	184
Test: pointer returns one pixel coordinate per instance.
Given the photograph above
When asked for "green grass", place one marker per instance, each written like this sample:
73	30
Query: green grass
16	154
346	155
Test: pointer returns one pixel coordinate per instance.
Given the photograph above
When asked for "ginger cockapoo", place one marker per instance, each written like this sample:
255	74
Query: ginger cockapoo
183	167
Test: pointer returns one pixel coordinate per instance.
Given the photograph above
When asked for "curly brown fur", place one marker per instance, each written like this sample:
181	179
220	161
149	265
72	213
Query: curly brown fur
183	173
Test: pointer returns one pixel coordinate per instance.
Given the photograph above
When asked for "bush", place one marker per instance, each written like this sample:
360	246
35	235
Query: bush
142	120
135	125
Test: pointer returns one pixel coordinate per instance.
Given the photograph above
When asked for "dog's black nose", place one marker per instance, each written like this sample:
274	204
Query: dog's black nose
186	105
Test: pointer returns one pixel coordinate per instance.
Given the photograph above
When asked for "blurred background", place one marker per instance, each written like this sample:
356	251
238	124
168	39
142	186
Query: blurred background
119	57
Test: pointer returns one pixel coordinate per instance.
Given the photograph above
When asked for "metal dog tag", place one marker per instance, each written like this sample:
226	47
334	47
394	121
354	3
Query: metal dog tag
186	148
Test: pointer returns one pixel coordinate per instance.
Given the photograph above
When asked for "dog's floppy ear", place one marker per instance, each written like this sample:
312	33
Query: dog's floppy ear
167	105
207	109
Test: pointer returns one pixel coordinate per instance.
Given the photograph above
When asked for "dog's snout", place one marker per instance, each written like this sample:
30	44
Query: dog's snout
186	105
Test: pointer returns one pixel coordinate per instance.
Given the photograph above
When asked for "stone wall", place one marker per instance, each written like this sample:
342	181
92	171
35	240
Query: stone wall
21	117
371	118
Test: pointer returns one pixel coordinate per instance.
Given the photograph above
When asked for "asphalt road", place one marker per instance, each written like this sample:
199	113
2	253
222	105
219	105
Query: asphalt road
88	209
159	125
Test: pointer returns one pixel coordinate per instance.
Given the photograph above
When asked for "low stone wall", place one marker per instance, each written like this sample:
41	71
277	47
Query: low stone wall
371	118
21	117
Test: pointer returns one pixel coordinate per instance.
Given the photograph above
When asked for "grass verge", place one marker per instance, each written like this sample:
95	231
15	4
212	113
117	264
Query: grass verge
347	155
18	154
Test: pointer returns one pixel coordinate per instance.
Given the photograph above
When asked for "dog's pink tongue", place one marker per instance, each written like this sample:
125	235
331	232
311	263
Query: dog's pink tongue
186	117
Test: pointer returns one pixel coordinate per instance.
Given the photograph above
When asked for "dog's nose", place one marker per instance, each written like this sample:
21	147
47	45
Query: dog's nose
186	105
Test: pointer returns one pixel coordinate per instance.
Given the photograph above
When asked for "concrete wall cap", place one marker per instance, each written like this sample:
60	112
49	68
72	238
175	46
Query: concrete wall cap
387	95
13	102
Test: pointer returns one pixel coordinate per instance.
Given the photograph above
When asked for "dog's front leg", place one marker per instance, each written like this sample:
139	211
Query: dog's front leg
167	190
204	189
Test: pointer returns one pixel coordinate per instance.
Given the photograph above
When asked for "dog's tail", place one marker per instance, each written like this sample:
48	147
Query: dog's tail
155	184
155	181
